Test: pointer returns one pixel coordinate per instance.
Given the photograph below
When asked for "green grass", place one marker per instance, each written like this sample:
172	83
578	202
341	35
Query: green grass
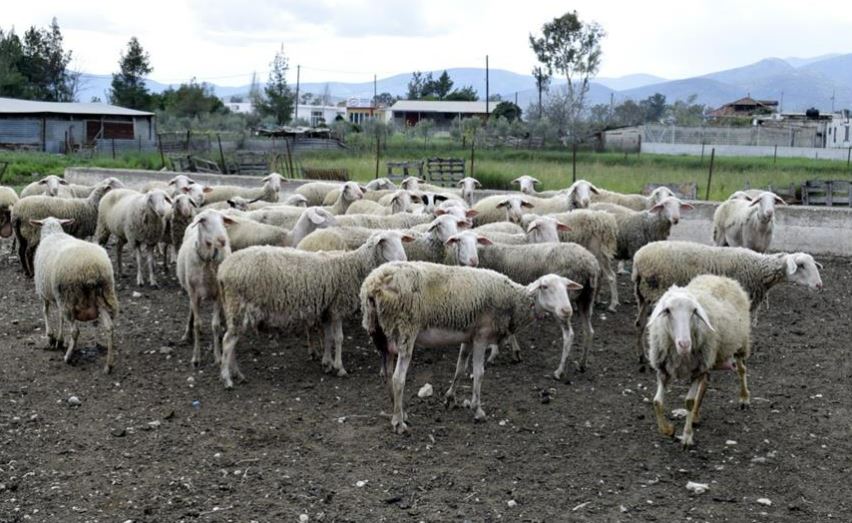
497	167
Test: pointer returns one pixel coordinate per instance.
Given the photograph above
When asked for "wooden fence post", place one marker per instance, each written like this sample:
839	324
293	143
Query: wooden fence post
160	146
221	153
775	155
378	142
710	174
113	148
574	162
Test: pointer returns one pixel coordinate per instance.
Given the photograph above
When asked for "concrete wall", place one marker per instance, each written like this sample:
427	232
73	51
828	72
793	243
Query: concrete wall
817	230
745	150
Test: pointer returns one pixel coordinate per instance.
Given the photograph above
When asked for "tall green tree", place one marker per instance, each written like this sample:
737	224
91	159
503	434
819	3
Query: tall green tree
128	87
13	84
191	100
507	110
572	48
35	67
278	99
465	94
443	85
655	107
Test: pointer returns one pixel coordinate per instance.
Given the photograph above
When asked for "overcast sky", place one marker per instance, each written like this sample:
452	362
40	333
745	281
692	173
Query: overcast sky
224	41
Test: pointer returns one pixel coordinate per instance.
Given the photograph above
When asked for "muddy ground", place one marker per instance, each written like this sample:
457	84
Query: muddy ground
294	441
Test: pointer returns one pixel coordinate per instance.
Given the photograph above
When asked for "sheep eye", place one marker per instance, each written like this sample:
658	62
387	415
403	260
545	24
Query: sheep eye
667	311
544	287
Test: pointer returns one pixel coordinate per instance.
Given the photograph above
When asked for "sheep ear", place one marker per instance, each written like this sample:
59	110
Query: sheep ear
754	202
476	183
463	224
562	227
37	223
656	209
432	226
470	213
255	200
818	264
440	212
452	240
227	220
363	188
316	218
593	189
407	238
172	181
42	182
532	226
169	199
504	203
780	200
416	199
482	240
659	310
702	315
192	202
440	198
536	181
686	206
516	181
571	285
791	265
526	204
231	203
460	183
62	181
207	188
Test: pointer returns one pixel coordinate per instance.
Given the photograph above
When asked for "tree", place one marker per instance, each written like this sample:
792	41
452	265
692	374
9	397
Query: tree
12	81
443	85
542	83
415	86
507	110
35	67
189	100
277	100
686	112
572	48
655	107
628	113
128	85
386	99
465	94
306	98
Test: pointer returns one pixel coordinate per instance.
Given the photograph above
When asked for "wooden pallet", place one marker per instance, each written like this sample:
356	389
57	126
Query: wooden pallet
827	192
397	171
445	172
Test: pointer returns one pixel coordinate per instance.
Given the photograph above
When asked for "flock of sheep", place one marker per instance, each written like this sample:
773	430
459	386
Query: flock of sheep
426	266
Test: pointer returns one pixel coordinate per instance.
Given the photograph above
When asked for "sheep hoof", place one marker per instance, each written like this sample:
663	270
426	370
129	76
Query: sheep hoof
557	374
479	415
107	369
341	372
745	405
229	384
686	440
516	357
399	426
196	364
667	430
613	307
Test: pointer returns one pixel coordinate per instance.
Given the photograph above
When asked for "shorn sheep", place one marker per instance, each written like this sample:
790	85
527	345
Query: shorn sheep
639	228
204	248
526	263
746	221
285	288
83	212
693	330
76	278
659	265
429	305
134	218
268	191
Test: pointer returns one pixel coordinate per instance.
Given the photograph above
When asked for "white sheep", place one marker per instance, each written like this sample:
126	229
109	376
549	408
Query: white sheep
526	184
639	228
636	202
659	265
526	263
204	248
172	187
83	212
135	218
75	277
429	305
468	185
431	201
315	192
8	199
373	190
393	221
399	201
746	221
349	193
286	288
693	330
50	185
512	206
268	191
244	233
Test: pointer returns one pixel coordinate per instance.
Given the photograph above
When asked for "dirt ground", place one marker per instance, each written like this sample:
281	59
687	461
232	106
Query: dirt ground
157	441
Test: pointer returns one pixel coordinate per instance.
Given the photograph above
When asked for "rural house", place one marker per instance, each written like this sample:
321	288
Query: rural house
744	107
58	127
359	110
405	113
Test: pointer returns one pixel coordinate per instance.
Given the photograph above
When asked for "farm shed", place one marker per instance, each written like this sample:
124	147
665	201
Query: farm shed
443	113
57	127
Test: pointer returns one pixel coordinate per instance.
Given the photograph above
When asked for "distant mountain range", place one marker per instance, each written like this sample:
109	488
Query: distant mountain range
799	83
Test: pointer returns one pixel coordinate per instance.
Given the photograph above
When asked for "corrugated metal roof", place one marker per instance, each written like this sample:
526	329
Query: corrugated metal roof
437	106
15	106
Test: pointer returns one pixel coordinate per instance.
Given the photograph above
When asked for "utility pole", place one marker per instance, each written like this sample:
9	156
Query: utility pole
296	105
781	105
833	93
611	104
516	97
487	112
375	105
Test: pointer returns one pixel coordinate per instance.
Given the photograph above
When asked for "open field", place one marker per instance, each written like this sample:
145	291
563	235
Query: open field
497	167
294	441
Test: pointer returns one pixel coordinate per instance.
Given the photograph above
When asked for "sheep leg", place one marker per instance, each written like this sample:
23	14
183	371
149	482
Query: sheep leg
149	251
745	395
194	311
327	343
52	342
516	348
620	268
687	436
229	368
119	249
216	326
613	285
641	321
189	322
567	341
60	333
313	352
140	279
495	350
666	428
461	367
588	331
337	334
22	256
406	347
107	324
388	366
478	371
75	333
30	257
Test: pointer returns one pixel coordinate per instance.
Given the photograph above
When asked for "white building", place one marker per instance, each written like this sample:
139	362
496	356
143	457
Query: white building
838	131
314	114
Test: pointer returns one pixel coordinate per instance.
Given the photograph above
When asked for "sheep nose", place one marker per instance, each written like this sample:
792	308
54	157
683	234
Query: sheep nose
819	285
683	345
565	312
675	220
472	263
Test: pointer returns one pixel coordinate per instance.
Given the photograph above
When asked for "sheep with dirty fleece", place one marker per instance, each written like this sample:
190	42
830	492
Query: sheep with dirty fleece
83	212
286	288
267	192
746	221
76	278
595	230
659	265
639	228
429	305
184	210
526	263
693	330
244	233
134	218
204	248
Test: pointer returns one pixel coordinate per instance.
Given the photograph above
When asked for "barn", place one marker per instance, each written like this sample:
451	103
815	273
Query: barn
406	113
59	127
